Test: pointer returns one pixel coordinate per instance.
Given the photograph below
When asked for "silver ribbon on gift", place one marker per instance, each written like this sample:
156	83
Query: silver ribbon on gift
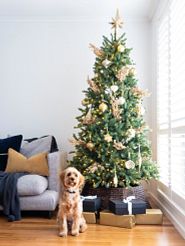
88	197
128	201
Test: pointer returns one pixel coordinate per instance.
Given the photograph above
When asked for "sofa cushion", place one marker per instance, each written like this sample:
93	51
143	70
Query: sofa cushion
11	142
36	146
47	201
54	145
54	164
31	185
36	164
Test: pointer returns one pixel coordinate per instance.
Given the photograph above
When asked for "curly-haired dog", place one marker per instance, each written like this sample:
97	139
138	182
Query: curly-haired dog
70	204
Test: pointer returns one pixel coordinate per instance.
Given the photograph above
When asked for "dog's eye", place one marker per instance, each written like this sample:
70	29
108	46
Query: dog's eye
69	174
76	175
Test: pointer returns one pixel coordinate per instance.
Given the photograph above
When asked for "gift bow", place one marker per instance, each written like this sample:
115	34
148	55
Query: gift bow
128	200
88	197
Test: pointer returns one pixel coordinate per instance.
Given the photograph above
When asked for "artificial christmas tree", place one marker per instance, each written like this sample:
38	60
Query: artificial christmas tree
111	147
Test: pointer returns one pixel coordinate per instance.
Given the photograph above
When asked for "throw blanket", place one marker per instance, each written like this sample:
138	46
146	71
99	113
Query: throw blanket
9	198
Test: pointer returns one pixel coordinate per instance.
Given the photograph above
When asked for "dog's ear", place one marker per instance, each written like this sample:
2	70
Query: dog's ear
62	176
81	181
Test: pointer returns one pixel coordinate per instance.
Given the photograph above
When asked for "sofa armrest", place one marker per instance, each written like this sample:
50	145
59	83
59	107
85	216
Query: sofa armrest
54	163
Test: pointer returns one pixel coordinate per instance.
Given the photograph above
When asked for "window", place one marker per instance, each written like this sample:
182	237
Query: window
171	97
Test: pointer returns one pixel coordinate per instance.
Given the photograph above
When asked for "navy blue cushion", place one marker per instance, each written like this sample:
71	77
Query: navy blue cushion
11	142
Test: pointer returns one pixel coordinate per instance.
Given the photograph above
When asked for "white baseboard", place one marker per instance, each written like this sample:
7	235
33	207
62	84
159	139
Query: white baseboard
173	212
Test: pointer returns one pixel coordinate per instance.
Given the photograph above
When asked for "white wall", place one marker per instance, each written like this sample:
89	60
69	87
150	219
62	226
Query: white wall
43	70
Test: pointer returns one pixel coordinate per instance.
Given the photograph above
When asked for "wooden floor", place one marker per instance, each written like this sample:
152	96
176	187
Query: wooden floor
40	231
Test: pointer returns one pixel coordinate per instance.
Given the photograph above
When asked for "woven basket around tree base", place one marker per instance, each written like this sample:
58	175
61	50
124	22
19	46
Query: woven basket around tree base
114	193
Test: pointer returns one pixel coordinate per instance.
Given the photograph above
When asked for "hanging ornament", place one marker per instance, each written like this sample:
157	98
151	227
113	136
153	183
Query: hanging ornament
138	92
108	138
130	134
129	164
132	71
103	107
115	179
107	91
116	111
140	110
76	142
92	168
139	158
85	102
118	145
114	88
88	118
90	146
106	63
93	85
96	50
120	100
122	73
120	48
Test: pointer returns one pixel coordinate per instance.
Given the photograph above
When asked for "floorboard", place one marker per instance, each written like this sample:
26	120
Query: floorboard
40	231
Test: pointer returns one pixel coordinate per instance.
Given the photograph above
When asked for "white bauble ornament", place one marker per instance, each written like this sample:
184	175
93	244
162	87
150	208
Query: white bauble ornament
121	100
107	91
114	88
120	48
129	164
106	63
131	133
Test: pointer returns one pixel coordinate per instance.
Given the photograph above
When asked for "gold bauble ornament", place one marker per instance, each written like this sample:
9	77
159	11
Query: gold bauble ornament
90	145
108	138
120	48
85	102
103	107
132	71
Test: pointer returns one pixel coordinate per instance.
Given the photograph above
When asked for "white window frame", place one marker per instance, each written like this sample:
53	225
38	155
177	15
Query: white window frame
166	190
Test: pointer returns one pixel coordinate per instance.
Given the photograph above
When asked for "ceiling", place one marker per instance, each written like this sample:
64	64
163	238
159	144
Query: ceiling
77	9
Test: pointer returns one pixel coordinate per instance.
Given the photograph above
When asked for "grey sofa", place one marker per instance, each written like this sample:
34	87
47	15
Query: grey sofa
37	193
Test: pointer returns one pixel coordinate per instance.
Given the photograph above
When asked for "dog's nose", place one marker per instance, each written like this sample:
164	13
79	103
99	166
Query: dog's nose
72	179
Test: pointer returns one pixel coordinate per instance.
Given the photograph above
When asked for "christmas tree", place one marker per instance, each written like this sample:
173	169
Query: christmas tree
112	147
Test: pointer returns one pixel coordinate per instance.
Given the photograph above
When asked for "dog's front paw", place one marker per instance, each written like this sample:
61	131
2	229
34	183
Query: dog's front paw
83	227
74	232
62	234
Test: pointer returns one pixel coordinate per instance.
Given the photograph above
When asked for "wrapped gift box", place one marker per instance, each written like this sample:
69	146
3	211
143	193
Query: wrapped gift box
152	217
91	205
121	208
90	217
110	219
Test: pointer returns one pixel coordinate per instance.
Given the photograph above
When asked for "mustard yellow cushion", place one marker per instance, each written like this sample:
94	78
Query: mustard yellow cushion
36	164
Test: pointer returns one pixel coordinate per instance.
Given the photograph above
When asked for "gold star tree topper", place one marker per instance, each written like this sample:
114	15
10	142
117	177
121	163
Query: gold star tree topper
117	21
